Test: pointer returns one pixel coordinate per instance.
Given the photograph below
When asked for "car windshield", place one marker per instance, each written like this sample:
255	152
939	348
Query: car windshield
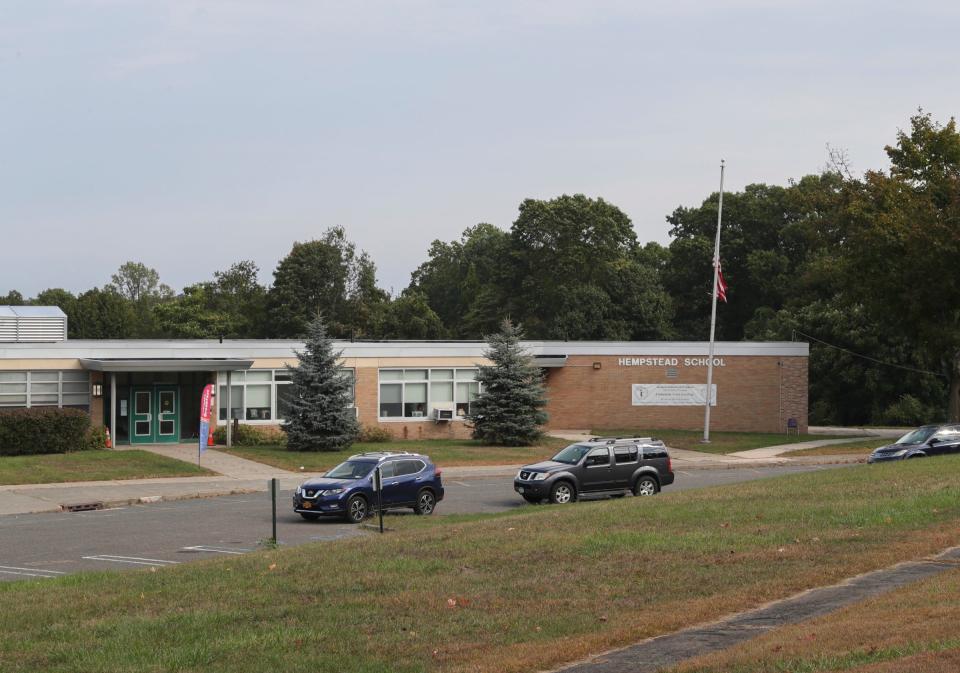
572	454
918	436
351	469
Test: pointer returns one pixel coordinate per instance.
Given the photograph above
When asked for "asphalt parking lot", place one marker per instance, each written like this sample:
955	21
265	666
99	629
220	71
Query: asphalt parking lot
38	546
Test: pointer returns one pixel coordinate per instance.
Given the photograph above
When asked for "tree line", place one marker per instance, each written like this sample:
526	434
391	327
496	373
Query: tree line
864	267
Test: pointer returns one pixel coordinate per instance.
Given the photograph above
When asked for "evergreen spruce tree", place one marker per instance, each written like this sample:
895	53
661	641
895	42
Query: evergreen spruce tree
509	409
320	416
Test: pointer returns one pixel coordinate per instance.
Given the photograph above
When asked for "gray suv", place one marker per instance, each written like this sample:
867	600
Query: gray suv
601	466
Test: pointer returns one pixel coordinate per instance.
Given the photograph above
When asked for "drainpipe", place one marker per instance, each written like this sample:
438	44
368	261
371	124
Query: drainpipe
113	408
229	409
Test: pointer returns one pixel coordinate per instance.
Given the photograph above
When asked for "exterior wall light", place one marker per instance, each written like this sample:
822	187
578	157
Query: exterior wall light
596	365
97	390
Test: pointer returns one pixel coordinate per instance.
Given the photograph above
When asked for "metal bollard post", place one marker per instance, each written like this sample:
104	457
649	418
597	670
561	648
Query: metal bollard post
274	487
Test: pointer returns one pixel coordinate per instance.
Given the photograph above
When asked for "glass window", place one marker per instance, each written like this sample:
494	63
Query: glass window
414	374
391	399
259	376
408	467
415	400
441	374
467	374
74	376
388	469
69	387
281	375
13	377
391	374
599	456
46	387
258	402
13	387
49	376
236	401
13	400
466	394
625	454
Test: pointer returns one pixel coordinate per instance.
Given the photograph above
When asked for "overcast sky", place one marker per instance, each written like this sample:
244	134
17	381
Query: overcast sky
192	134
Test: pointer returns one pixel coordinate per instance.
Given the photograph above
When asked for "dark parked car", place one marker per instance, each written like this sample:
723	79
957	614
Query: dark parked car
602	465
409	480
927	440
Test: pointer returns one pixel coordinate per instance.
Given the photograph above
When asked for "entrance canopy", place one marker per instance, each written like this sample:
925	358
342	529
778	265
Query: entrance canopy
165	364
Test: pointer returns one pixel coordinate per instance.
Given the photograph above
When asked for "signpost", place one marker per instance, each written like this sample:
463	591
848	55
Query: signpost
378	487
206	404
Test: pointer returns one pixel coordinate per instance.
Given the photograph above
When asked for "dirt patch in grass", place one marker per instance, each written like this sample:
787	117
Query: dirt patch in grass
720	442
513	592
93	466
443	452
863	448
909	629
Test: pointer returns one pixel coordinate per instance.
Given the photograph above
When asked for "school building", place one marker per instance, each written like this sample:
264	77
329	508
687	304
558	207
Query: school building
148	391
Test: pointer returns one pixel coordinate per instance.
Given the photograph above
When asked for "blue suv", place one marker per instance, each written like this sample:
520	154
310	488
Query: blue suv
409	480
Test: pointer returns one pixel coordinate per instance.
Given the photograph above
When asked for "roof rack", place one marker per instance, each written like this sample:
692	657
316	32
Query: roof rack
380	454
614	440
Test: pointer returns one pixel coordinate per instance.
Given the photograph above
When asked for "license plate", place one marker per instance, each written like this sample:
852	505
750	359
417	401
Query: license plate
519	489
307	505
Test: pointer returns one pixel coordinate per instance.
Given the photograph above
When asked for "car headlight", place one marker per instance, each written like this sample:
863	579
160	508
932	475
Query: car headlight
901	452
299	490
539	476
331	491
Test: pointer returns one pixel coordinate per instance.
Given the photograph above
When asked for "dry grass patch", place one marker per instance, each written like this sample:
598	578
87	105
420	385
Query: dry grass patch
909	629
500	594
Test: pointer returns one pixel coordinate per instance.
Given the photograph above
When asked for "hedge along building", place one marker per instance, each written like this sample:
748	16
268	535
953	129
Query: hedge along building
148	391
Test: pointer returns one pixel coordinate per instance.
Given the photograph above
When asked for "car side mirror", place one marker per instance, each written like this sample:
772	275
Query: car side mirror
933	440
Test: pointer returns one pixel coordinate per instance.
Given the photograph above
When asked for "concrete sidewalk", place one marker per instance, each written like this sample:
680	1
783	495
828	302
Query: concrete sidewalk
780	449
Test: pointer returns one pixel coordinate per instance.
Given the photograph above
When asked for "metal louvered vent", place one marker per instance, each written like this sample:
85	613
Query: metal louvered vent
32	324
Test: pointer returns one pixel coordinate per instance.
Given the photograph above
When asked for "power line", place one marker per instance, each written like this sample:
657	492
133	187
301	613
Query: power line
867	357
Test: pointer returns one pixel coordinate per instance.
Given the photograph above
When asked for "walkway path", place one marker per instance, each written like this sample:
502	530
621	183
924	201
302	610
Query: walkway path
774	451
222	463
670	650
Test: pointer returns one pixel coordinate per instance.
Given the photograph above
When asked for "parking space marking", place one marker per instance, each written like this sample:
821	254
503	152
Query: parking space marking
135	560
30	572
459	483
217	550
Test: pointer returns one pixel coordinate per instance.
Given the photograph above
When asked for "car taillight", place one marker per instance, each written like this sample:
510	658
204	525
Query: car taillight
669	464
438	473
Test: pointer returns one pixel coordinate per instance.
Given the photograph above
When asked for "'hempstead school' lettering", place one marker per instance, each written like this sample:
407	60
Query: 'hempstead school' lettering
669	362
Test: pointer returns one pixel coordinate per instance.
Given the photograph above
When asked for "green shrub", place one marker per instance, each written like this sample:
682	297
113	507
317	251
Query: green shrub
43	430
908	410
374	433
250	435
96	438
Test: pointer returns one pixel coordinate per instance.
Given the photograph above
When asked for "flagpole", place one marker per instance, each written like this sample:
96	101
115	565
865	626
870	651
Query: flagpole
713	313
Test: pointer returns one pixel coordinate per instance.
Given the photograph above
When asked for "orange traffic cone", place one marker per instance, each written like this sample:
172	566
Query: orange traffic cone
109	442
210	438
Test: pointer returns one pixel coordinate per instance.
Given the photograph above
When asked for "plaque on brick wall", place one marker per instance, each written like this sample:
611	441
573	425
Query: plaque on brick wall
672	394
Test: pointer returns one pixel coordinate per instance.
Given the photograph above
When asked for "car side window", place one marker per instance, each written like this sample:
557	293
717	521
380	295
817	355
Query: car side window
388	469
625	454
599	456
408	467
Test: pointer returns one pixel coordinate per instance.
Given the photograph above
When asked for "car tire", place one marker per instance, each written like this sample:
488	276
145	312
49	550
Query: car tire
309	517
357	509
426	502
646	485
562	493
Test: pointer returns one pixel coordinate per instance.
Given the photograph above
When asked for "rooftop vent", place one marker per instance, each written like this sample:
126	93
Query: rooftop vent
32	324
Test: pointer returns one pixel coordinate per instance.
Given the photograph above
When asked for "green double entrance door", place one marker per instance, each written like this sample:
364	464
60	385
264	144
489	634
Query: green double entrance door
156	414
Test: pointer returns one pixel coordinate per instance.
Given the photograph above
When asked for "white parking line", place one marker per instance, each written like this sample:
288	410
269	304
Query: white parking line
32	572
456	482
217	550
136	560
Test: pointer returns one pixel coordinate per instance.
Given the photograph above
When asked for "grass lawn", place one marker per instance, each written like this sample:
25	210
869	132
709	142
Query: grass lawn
852	448
720	442
443	452
519	591
910	630
92	466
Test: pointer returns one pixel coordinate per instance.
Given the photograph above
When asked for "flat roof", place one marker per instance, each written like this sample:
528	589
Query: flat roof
251	349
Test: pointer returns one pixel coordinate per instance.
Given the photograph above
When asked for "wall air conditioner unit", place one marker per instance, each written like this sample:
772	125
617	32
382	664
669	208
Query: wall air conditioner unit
442	412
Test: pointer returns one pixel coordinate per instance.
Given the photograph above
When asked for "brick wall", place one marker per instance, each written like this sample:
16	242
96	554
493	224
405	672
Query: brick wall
754	393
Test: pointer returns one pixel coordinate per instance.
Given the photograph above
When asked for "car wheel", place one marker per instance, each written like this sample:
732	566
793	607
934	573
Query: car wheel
309	517
646	486
426	502
356	509
562	493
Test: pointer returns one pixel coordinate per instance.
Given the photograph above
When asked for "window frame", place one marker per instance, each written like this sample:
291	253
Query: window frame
81	377
401	380
275	383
